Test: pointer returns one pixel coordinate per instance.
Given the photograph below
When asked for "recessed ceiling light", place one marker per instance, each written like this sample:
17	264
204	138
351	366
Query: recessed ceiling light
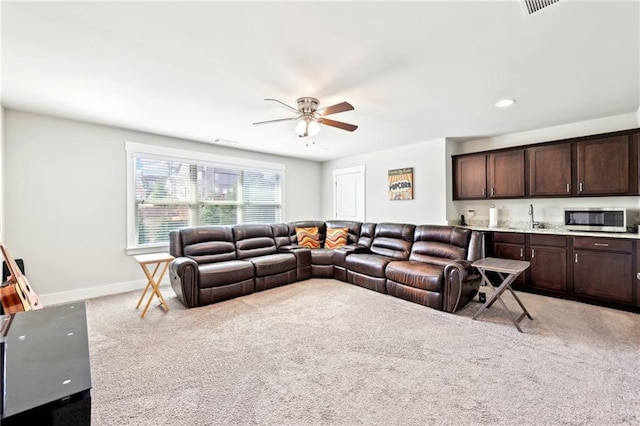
505	103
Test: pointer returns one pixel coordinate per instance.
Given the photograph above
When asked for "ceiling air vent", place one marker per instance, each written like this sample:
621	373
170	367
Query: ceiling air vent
533	6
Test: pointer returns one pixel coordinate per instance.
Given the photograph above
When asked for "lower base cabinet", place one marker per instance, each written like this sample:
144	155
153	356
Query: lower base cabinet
596	269
548	268
602	268
546	253
510	246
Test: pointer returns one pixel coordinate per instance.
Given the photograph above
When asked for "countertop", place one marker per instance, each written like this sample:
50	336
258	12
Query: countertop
554	231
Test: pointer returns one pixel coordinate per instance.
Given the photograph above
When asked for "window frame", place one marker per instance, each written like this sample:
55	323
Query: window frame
192	157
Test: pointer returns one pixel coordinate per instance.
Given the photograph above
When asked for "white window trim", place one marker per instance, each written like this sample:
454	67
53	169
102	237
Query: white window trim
133	148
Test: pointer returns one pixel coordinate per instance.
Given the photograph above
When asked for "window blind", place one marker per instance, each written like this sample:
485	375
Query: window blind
171	193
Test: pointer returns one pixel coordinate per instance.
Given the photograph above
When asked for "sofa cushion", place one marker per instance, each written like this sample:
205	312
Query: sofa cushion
211	251
366	234
416	274
322	256
224	273
393	240
281	234
204	244
368	264
273	264
308	237
253	240
336	237
437	243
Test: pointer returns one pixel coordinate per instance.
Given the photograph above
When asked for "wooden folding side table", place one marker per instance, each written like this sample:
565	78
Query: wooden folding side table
156	260
512	268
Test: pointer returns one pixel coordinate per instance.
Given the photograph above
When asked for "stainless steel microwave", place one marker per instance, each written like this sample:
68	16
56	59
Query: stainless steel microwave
599	219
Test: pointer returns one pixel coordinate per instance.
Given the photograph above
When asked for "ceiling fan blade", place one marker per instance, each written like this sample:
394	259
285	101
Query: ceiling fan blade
275	121
334	109
338	124
284	105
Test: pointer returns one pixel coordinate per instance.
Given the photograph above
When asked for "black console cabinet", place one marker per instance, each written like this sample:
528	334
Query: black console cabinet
47	370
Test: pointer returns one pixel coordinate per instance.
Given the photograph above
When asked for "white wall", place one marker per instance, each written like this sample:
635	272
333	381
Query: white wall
1	173
429	162
65	199
545	209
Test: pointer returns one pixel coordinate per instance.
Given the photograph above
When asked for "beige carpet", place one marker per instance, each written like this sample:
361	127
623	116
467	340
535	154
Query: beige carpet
326	352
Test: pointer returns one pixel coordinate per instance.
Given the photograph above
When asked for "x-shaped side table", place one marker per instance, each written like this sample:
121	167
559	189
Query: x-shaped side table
512	268
157	259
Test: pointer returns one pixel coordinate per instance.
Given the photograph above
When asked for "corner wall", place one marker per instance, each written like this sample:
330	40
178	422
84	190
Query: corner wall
429	162
65	199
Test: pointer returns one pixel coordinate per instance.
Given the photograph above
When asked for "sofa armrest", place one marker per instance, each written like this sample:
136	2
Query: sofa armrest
183	274
290	247
461	283
340	254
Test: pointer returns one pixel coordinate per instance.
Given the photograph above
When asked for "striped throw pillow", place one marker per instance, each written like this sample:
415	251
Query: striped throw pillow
336	237
308	237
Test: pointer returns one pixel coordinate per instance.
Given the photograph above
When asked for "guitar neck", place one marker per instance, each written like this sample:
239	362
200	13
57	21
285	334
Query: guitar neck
14	269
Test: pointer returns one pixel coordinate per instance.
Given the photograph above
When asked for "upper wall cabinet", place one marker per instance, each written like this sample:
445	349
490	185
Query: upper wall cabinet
494	175
505	174
549	170
604	166
470	177
589	166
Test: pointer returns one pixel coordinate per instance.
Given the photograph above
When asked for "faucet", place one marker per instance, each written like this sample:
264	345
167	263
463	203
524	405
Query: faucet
533	223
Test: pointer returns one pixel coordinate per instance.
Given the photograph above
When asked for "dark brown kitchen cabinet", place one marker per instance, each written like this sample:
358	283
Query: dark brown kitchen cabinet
602	268
470	180
508	245
549	170
494	175
505	174
605	167
597	165
548	257
596	270
637	277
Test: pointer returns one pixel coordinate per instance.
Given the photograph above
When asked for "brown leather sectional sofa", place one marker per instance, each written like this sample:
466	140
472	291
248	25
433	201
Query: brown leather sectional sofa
426	264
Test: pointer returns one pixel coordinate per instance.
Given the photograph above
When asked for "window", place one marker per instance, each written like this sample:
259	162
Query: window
169	189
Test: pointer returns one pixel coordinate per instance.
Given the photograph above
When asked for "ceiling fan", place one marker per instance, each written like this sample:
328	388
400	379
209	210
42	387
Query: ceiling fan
309	117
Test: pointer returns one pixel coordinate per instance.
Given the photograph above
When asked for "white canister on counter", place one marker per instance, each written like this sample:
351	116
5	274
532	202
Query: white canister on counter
493	216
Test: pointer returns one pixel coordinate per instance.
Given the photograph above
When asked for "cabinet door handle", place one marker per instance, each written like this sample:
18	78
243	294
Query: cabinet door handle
580	187
484	192
533	253
521	252
568	188
601	244
493	192
576	257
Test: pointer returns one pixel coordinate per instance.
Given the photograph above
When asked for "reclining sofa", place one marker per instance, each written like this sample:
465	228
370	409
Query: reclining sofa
425	264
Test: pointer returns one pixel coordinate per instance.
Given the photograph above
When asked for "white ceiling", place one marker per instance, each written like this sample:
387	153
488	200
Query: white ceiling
414	71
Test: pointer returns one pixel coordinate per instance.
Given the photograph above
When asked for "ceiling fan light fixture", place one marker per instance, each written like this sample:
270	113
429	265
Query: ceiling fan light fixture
307	126
313	128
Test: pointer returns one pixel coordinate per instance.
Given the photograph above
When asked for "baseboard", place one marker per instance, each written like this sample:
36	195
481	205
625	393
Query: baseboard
91	292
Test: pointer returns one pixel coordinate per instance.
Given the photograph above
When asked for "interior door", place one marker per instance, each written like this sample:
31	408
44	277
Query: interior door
348	194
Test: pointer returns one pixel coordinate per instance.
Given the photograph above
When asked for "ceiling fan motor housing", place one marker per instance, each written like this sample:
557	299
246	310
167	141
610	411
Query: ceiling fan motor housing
307	105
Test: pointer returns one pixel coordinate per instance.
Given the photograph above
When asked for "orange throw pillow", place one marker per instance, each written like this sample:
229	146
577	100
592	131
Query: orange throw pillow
308	237
336	237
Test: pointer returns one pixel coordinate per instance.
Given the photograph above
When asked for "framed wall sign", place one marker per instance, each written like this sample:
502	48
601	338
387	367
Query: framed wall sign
401	184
